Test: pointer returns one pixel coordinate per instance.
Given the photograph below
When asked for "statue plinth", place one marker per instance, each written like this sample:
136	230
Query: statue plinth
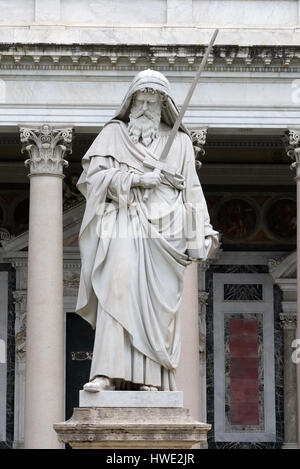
125	422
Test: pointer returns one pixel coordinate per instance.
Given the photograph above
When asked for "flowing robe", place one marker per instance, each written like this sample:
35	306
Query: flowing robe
134	254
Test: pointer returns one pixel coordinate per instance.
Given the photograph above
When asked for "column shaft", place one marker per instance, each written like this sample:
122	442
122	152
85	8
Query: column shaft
44	355
188	372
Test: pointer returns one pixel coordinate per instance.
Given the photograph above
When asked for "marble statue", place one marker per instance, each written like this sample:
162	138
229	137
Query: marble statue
140	229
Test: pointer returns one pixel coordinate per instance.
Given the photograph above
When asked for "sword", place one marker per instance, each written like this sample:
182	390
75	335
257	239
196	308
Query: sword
153	163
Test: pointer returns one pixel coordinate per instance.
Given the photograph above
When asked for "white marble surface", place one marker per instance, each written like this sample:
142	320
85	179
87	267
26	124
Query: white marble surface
131	399
113	12
89	100
211	92
152	12
152	34
180	12
153	22
245	12
47	11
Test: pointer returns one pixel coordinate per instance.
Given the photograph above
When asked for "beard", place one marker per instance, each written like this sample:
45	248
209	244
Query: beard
144	125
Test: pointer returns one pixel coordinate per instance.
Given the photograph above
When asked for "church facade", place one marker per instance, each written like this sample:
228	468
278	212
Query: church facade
65	66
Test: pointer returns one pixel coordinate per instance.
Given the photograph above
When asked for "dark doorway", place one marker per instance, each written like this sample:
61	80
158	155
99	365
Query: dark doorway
79	348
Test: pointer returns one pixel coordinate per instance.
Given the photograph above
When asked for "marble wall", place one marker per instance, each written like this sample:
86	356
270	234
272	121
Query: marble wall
151	22
172	12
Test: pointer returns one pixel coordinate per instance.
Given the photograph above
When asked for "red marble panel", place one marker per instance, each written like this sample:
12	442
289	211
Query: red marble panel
244	399
244	390
243	326
244	368
243	338
244	413
247	347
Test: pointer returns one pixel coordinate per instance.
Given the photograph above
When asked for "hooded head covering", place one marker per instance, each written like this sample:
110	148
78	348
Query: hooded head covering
158	82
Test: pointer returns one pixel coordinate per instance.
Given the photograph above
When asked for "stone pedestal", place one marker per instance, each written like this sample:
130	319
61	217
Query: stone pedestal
121	420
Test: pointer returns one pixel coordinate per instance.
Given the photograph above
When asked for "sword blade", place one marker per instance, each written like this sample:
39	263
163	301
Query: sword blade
187	99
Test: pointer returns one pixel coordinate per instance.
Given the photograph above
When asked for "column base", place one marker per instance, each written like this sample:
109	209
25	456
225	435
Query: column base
132	427
290	446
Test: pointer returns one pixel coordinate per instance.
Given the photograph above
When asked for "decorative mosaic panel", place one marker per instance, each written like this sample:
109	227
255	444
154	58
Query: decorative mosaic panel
254	220
243	292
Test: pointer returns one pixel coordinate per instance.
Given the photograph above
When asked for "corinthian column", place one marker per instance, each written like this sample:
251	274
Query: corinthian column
293	151
46	147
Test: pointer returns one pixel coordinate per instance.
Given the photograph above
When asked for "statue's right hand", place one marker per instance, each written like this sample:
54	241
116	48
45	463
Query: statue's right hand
150	180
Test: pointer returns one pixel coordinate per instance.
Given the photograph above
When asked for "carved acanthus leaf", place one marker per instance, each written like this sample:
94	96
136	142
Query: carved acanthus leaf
292	146
199	139
46	147
288	320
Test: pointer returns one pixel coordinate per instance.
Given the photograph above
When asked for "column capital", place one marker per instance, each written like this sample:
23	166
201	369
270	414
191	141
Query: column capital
292	145
46	146
288	320
199	140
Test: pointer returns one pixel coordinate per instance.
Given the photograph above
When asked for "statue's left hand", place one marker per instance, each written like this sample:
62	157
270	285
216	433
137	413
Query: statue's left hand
194	253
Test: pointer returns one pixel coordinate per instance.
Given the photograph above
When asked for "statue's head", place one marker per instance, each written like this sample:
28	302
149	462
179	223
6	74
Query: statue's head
145	115
149	90
147	102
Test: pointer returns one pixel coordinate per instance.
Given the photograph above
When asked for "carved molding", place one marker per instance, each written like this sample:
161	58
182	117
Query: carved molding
46	147
274	263
202	297
126	57
18	262
72	280
20	297
288	320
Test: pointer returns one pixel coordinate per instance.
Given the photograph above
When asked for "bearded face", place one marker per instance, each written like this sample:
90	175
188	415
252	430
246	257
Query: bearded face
145	116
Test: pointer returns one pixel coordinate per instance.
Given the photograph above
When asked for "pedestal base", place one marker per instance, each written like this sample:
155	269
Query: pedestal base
133	427
131	399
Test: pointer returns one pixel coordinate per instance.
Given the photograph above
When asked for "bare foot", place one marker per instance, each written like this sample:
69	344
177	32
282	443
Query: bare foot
100	383
144	387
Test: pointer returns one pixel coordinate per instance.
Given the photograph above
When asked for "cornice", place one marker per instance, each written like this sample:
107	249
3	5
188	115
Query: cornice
136	57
